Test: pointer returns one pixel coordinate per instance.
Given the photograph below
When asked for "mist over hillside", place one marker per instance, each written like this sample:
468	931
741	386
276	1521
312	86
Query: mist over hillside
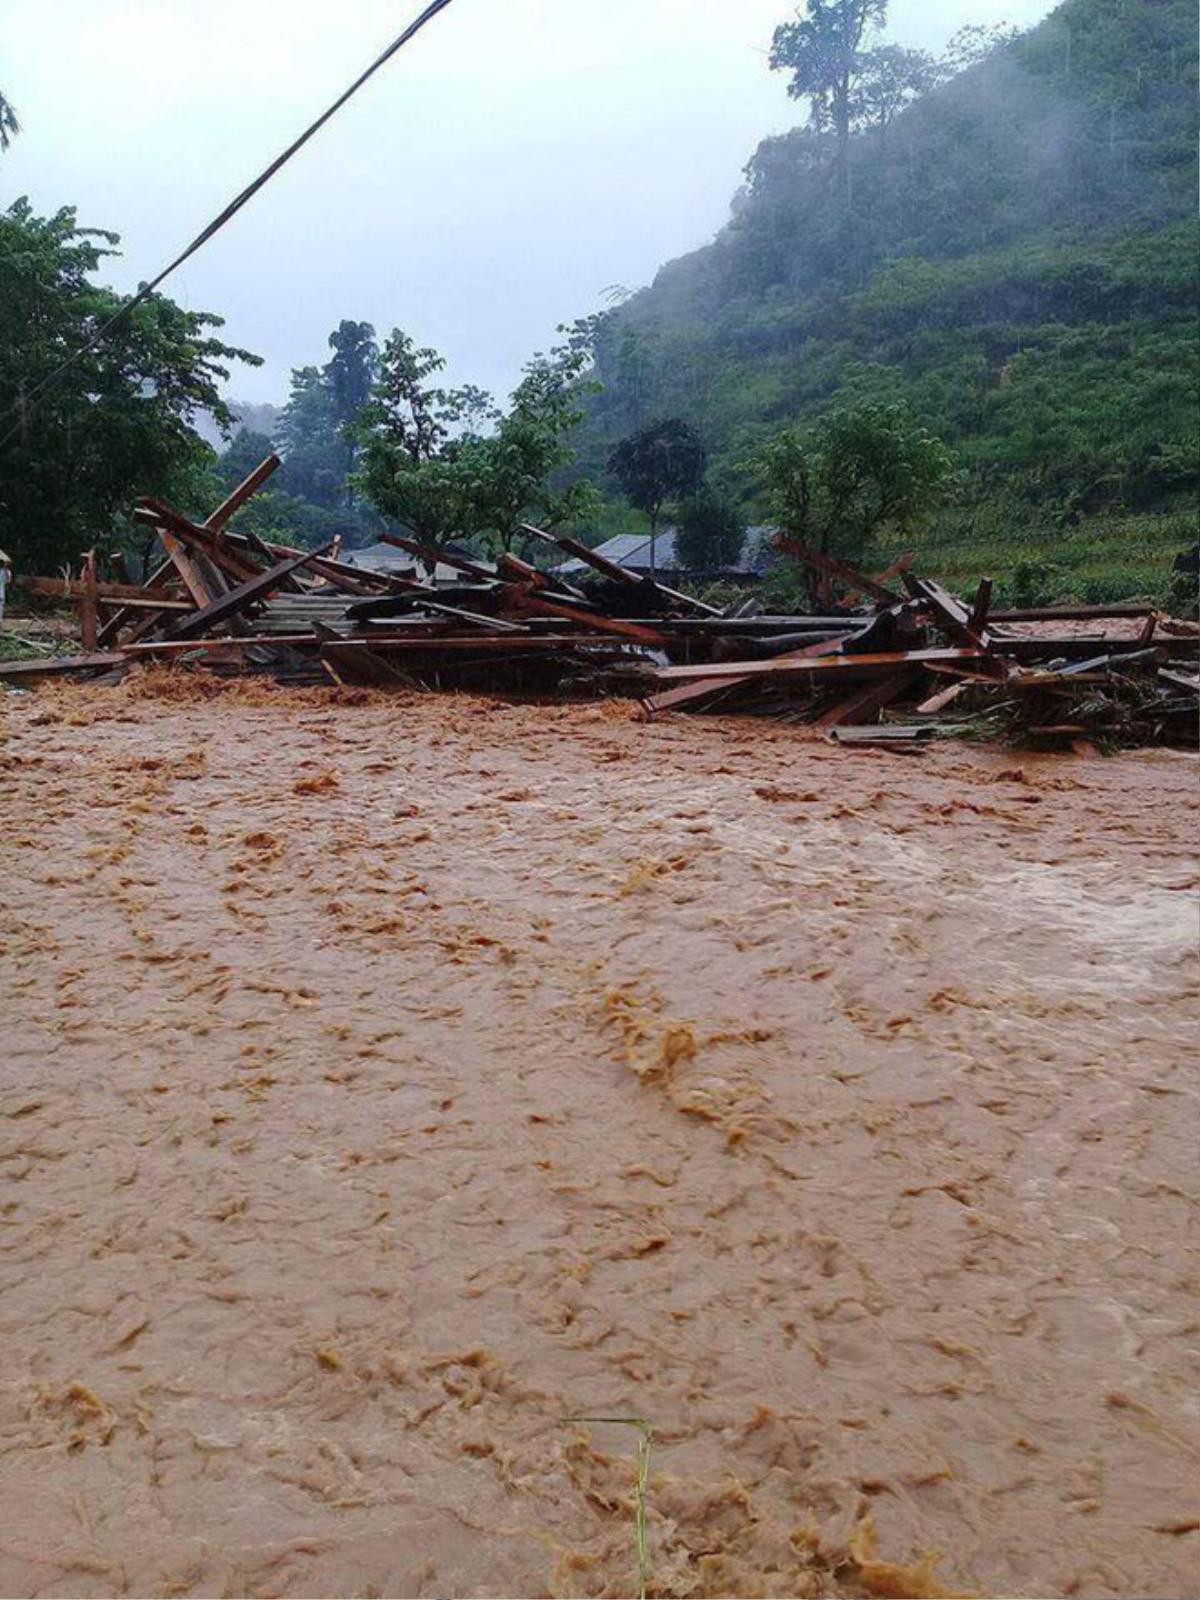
1017	261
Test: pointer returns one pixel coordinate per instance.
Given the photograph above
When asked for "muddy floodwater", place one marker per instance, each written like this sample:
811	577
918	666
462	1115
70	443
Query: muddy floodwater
387	1081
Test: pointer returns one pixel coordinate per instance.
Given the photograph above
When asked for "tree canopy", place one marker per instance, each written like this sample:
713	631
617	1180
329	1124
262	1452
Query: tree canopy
9	126
839	482
711	533
121	421
661	462
448	463
822	49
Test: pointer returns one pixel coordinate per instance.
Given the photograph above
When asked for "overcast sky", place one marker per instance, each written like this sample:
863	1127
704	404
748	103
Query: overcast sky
519	157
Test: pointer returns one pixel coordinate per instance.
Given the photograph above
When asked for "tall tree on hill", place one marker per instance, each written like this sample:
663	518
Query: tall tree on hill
8	123
349	375
823	51
891	77
665	461
313	454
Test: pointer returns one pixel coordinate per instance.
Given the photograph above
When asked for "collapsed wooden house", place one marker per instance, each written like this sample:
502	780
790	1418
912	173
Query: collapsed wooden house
913	662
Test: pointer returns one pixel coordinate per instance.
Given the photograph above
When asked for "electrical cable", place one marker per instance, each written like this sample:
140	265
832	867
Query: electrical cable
219	221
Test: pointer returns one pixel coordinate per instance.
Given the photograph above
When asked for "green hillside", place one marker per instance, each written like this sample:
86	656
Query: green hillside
1019	263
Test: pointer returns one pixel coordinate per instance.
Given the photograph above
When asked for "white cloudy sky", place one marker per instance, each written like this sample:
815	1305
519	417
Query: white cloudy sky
514	161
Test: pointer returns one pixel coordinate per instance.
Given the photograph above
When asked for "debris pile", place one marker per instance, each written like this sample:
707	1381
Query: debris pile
912	664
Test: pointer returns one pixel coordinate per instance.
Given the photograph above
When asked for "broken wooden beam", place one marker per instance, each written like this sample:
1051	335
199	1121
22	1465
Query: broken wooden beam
618	573
89	608
434	557
249	486
231	604
869	700
73	589
950	612
977	622
689	693
840	571
522	601
819	666
49	666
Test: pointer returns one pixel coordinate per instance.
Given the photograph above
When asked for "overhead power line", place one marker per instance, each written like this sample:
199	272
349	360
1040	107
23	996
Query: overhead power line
214	227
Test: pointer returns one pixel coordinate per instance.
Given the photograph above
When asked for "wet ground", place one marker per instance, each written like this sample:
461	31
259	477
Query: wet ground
387	1081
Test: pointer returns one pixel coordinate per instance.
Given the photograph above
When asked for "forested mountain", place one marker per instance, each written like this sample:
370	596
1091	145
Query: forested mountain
1013	252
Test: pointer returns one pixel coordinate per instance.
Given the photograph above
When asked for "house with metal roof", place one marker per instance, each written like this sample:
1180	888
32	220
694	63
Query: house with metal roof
393	562
632	550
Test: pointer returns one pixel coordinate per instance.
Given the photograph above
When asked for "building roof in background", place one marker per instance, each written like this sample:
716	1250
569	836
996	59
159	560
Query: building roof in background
391	561
379	558
632	550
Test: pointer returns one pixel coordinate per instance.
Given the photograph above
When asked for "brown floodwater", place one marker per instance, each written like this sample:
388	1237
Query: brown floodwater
386	1081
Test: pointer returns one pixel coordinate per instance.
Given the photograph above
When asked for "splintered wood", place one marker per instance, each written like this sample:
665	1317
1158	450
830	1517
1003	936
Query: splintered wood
230	601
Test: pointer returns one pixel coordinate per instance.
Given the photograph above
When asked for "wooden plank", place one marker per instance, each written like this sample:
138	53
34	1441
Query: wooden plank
361	666
74	589
230	564
981	606
868	700
485	643
159	605
196	581
1069	613
899	566
688	693
432	557
950	612
522	572
848	576
157	580
522	601
620	574
49	666
870	664
351	579
229	605
1080	648
256	547
249	485
943	698
492	624
89	609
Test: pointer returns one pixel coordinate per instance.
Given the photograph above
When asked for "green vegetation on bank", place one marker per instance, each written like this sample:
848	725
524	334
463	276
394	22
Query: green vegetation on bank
1013	256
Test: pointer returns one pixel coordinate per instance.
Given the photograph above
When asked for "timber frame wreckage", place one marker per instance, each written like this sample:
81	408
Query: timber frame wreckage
912	664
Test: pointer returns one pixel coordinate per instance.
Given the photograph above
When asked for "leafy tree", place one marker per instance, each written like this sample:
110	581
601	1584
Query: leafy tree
857	472
315	427
313	452
349	375
822	49
350	372
890	77
711	533
974	42
411	435
245	452
9	126
665	461
117	424
447	462
518	474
